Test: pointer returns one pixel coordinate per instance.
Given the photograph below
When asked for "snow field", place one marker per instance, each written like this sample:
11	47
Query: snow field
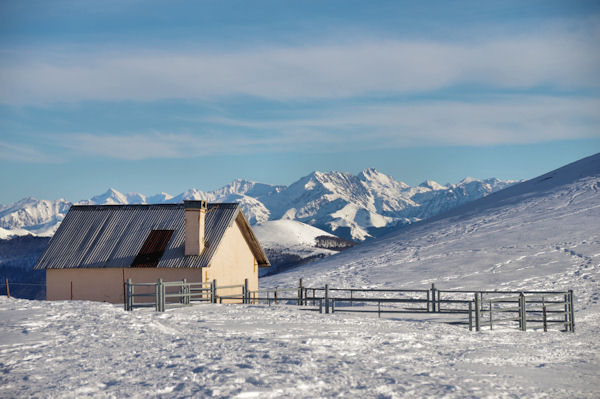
84	349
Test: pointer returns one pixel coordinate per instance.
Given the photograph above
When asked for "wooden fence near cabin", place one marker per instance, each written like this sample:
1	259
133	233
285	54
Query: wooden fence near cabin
481	309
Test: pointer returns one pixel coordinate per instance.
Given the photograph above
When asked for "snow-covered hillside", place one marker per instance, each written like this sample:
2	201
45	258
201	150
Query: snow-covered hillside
540	234
290	235
353	207
289	242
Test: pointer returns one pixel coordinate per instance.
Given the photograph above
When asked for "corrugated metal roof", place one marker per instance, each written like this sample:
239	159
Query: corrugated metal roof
112	235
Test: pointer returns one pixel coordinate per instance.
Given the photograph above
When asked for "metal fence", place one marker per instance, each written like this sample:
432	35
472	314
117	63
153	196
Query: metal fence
291	295
163	295
481	309
538	309
475	309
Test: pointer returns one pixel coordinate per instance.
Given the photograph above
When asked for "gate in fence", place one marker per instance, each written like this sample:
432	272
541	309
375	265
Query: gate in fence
483	309
164	295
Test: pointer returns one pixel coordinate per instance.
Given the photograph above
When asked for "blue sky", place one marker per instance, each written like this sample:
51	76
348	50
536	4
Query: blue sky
154	96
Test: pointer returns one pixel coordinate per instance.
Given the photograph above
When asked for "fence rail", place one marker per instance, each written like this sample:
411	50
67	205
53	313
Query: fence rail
163	295
485	308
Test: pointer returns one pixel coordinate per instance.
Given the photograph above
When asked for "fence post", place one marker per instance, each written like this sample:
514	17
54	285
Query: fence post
320	305
523	312
470	316
544	317
571	311
161	290
214	291
352	297
332	305
428	300
433	297
127	294
566	299
379	309
157	297
300	293
275	296
477	314
245	294
491	313
188	292
326	298
131	295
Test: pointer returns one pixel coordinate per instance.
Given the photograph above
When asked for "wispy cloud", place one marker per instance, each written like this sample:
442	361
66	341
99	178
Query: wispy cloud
23	153
155	145
507	120
555	59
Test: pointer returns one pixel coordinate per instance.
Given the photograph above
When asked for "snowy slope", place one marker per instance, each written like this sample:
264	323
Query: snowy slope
289	243
542	233
15	232
289	235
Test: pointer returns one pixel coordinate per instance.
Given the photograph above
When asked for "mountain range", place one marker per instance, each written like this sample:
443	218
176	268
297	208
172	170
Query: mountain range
354	207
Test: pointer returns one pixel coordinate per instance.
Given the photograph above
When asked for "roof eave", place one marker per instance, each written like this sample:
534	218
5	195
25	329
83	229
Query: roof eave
253	243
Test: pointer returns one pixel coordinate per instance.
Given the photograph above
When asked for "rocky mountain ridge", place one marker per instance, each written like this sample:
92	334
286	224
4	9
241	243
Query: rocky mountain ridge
355	207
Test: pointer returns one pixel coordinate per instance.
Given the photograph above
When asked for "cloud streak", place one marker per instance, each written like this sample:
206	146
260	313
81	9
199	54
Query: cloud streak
451	123
555	59
23	153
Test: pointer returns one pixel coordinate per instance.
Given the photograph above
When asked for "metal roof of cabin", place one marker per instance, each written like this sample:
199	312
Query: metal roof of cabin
101	236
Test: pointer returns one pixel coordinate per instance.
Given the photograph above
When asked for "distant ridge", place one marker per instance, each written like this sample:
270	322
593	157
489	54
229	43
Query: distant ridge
354	207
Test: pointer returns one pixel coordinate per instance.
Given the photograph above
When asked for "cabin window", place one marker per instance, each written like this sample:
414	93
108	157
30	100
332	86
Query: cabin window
153	248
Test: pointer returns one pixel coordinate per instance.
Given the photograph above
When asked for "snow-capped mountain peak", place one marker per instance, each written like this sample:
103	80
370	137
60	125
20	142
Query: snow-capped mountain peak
430	184
159	198
110	197
353	207
32	216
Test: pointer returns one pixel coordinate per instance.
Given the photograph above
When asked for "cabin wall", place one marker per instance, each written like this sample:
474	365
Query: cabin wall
233	262
106	285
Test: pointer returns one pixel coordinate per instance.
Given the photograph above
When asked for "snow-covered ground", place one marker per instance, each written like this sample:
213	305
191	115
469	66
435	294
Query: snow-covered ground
541	234
80	349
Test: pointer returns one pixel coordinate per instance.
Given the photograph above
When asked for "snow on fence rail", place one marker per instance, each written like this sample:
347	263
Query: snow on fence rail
541	309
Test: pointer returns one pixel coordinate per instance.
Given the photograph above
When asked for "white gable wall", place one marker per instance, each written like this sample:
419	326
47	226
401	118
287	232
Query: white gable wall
233	262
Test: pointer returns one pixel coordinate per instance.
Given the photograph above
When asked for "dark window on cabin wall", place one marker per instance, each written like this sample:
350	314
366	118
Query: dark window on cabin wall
153	248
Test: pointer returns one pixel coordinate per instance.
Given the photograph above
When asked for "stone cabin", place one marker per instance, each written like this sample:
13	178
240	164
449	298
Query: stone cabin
98	247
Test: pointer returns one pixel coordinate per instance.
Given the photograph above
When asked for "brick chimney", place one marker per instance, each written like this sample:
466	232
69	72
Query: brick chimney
195	220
